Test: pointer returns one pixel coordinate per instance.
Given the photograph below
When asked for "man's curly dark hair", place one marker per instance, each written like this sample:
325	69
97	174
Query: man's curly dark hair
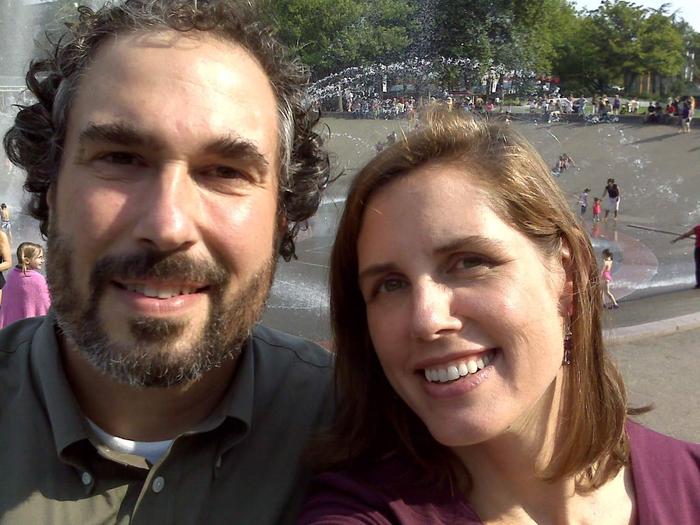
35	141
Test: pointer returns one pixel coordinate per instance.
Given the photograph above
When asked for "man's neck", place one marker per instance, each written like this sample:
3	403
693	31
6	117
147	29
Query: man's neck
143	414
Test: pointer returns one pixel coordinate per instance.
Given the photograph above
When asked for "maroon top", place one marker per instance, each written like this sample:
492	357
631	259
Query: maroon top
665	472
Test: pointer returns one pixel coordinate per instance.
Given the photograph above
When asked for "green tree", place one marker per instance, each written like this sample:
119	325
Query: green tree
691	46
661	45
615	32
516	35
331	35
577	59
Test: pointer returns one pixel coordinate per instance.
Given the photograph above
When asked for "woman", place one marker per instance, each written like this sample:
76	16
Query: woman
26	292
606	275
687	114
472	380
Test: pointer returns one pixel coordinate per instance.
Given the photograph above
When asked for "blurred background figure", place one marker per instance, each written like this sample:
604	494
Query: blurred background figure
26	291
694	232
5	222
5	259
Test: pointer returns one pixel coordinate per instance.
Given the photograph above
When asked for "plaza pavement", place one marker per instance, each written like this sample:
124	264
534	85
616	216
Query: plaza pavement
656	343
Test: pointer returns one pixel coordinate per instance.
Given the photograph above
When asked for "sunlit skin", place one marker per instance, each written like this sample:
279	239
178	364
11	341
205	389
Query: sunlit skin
172	145
455	279
37	262
444	277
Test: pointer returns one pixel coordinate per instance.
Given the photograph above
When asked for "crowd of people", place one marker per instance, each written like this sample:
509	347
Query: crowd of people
552	106
682	108
407	107
170	161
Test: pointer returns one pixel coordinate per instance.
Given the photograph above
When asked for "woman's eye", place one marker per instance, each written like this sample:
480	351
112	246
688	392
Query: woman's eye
391	285
470	262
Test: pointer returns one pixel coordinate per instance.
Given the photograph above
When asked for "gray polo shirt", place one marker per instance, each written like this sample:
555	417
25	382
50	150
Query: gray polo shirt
241	466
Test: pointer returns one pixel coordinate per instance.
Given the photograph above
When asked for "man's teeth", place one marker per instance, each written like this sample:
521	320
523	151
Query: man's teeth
457	369
160	293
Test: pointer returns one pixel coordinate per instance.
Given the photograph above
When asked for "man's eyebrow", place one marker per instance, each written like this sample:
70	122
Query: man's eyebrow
121	133
125	134
233	147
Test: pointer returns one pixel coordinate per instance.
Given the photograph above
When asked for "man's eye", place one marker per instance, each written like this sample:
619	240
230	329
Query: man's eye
122	158
224	172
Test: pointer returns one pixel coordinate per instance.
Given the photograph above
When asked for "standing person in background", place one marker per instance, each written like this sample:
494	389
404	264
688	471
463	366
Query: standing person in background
5	222
583	201
611	196
687	113
26	291
633	105
693	232
606	275
616	105
5	259
691	99
597	208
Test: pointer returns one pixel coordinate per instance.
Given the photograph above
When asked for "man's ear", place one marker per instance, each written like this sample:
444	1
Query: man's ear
567	264
50	196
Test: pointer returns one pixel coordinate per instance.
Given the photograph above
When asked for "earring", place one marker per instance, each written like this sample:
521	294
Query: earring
568	345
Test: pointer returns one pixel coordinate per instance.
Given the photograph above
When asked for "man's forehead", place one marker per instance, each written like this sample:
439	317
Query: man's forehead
191	83
195	48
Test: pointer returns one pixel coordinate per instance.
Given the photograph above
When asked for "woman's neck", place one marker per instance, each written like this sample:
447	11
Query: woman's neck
507	476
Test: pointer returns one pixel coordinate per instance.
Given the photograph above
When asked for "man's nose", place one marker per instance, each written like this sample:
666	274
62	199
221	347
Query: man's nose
168	216
433	314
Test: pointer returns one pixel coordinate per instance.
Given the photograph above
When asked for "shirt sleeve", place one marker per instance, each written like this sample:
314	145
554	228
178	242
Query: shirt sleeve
338	500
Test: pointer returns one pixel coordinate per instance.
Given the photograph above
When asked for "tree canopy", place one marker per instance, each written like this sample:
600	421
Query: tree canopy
462	40
589	50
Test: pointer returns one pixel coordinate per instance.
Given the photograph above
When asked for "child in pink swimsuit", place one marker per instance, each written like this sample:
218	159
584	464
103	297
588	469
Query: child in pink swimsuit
606	274
597	208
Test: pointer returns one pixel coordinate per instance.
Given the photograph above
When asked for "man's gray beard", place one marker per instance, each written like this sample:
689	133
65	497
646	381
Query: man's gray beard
151	361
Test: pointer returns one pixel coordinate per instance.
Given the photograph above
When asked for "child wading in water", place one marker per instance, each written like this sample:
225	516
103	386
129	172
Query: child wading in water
597	208
26	292
606	274
583	201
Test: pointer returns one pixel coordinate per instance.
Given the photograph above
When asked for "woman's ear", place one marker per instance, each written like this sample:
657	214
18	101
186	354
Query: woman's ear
567	296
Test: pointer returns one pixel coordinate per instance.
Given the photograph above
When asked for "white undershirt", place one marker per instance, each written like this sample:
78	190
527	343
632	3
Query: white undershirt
151	450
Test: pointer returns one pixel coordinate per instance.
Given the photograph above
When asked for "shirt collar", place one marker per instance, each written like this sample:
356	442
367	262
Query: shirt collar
237	403
67	420
61	406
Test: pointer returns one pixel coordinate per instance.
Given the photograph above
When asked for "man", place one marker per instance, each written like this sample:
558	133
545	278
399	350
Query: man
611	198
694	232
169	158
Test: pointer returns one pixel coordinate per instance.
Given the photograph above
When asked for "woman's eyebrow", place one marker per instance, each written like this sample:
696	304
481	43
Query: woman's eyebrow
376	269
472	242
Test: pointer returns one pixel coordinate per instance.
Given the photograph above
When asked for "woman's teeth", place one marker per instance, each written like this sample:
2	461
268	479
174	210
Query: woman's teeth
457	369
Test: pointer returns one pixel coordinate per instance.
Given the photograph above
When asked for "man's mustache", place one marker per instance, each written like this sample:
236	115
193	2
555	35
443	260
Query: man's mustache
151	264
